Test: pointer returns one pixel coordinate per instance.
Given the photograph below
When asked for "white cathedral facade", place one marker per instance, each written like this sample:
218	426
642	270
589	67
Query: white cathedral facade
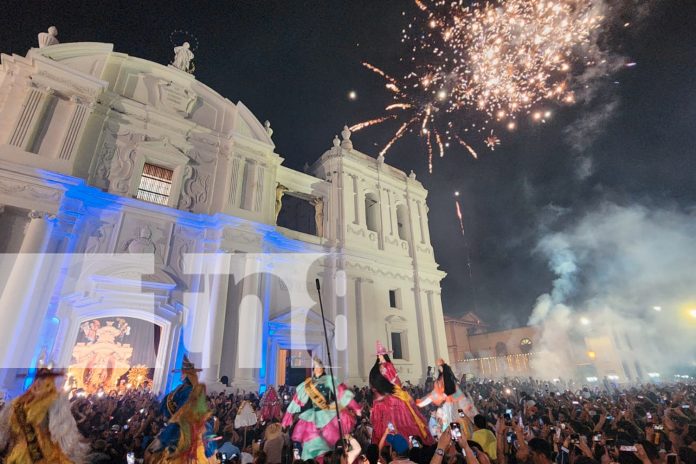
105	154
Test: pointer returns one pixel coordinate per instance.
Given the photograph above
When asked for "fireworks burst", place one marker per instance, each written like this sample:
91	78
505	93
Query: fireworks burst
492	141
488	64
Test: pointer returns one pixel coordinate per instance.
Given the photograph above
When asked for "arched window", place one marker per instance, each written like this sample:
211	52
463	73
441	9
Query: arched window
526	345
372	219
501	349
402	222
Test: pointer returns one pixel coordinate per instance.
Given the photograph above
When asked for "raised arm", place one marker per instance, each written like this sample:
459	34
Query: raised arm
388	370
299	399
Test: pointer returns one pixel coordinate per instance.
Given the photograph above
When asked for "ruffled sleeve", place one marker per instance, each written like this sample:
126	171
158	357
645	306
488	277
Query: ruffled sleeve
64	432
299	399
346	399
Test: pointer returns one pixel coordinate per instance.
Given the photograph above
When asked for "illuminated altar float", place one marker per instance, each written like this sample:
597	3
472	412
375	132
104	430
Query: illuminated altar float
100	364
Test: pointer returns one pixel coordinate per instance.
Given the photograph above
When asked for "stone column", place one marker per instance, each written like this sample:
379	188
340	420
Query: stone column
18	332
357	218
212	350
426	227
357	374
249	195
421	221
235	181
73	132
427	355
259	187
243	374
393	220
31	114
437	324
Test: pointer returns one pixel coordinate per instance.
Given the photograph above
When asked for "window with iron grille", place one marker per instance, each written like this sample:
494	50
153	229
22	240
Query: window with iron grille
155	184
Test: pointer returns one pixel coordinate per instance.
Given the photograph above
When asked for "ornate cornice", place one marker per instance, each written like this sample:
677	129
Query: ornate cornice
27	191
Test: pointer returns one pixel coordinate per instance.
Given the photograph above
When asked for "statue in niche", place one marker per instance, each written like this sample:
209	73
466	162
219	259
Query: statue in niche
142	244
183	56
280	191
46	39
318	204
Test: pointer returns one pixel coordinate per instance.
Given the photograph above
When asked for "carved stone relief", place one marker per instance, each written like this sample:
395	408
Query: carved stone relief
99	231
122	171
140	236
175	97
103	170
195	188
183	242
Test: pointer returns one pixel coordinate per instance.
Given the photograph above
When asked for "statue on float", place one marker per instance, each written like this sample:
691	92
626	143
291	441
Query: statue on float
449	398
317	427
182	440
38	426
271	406
392	404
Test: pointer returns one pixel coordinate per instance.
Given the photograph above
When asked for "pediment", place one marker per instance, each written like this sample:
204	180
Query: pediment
247	125
312	318
165	148
393	319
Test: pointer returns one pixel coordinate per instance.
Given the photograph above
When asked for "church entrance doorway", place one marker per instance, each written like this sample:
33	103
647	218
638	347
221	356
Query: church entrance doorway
294	366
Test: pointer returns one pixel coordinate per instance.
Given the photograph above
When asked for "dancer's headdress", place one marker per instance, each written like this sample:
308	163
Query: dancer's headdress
381	350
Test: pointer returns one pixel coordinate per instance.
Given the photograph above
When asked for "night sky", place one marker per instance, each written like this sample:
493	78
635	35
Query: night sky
294	62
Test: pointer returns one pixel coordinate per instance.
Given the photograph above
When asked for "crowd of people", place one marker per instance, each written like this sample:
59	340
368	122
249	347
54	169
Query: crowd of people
506	421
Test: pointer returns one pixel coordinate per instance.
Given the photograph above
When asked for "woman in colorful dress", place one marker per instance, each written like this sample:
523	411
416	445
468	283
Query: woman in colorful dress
449	398
317	427
392	404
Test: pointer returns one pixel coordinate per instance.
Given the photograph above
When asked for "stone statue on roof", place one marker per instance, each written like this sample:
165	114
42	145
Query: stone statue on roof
49	38
183	56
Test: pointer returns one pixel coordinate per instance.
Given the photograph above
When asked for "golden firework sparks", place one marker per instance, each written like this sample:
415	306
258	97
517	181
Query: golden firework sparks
371	122
485	64
492	141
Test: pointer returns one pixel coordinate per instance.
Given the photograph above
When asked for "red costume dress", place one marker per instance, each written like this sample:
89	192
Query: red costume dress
395	406
271	406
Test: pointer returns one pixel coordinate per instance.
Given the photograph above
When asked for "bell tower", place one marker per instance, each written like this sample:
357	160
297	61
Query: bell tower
378	225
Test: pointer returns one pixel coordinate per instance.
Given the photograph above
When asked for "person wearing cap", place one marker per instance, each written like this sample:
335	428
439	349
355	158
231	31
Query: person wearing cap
447	395
318	426
38	426
399	448
392	404
181	440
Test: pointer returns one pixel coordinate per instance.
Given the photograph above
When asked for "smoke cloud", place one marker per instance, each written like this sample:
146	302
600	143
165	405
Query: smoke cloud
614	265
